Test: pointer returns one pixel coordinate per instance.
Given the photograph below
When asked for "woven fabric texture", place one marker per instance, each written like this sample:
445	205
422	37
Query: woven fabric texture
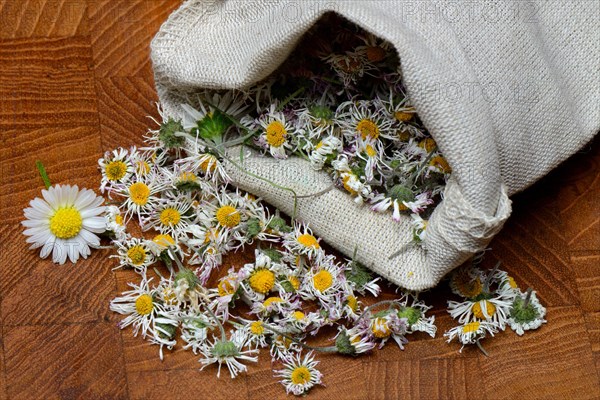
508	89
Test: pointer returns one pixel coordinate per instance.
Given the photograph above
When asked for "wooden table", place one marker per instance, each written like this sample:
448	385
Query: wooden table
75	80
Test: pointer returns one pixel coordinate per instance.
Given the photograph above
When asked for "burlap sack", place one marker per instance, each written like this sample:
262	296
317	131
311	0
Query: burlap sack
507	89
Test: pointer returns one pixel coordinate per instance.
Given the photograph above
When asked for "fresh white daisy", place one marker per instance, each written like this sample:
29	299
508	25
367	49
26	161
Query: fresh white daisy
300	375
65	222
229	352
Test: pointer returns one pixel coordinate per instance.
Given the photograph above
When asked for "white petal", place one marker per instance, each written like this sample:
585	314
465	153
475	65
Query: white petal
59	252
36	230
47	247
95	224
41	206
72	195
50	197
92	212
35	223
84	199
90	238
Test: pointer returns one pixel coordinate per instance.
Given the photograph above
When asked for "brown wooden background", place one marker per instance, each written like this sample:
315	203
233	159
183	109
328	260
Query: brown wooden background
75	80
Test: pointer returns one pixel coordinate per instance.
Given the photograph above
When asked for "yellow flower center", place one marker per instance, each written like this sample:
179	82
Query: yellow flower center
187	177
308	240
66	223
319	145
144	304
272	300
471	289
370	151
375	53
441	163
427	144
136	255
142	167
119	219
300	376
367	129
163	241
115	170
298	315
478	312
471	327
225	288
262	281
403	135
352	302
322	280
294	281
228	216
139	193
345	181
169	296
512	283
209	163
276	134
170	216
257	328
380	328
404	116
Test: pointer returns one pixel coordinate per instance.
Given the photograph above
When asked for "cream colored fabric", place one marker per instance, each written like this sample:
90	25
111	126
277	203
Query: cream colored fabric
507	89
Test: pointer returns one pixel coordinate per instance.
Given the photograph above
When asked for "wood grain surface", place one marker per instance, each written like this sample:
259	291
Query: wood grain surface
76	80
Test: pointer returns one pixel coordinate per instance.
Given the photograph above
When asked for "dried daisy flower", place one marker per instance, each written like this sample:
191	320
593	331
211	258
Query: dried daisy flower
526	313
299	375
229	352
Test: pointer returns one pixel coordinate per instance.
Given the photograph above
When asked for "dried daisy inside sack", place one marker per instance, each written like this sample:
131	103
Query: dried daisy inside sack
344	110
495	100
333	139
